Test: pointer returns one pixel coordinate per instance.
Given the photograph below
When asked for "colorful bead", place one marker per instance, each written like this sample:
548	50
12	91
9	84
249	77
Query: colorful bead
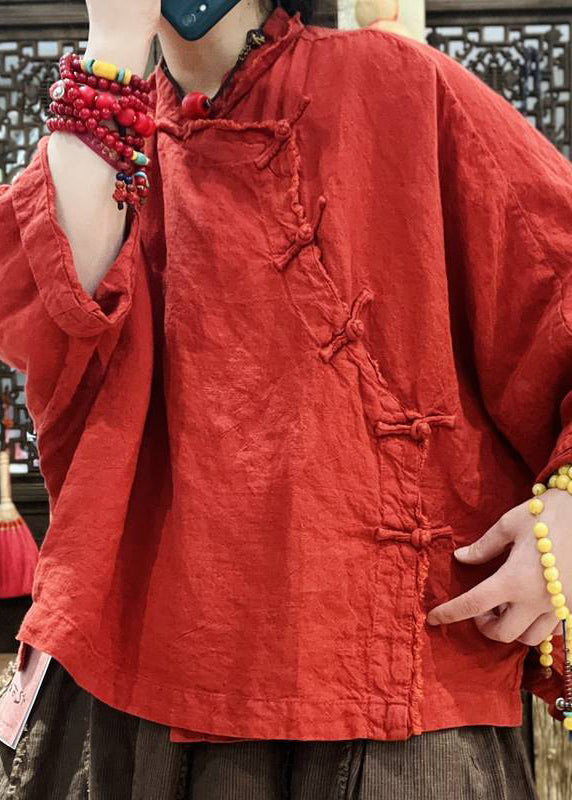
546	660
551	574
540	530
538	488
546	647
562	482
555	587
563	612
104	70
558	600
552	481
548	560
195	105
544	545
535	506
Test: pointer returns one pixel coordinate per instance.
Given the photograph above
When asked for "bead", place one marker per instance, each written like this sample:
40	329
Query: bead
540	530
546	647
552	481
548	560
88	95
544	545
538	488
104	100
563	612
554	587
535	506
546	660
141	124
558	600
103	69
551	574
567	723
126	117
144	125
562	482
564	469
195	105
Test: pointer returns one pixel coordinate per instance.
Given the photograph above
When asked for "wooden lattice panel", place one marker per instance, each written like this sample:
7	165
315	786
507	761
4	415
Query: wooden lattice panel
524	58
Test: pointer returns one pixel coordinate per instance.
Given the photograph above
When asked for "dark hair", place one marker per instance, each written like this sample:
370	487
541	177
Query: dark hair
305	7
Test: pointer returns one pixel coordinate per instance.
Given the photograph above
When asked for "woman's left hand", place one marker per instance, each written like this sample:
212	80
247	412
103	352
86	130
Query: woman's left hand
518	587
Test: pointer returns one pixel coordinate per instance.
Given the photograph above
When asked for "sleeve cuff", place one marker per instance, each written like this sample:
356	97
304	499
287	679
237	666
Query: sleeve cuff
547	689
561	455
51	260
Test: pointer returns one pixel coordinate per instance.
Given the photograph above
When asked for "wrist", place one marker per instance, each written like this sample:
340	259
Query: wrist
133	55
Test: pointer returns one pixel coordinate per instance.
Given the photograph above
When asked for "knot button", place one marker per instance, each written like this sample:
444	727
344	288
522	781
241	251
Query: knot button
420	429
354	329
305	233
283	129
420	538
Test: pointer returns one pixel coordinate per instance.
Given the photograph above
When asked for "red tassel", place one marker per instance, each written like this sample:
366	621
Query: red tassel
18	559
18	550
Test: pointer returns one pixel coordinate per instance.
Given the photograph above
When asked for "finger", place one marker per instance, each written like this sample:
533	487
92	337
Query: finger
491	543
540	630
508	627
483	597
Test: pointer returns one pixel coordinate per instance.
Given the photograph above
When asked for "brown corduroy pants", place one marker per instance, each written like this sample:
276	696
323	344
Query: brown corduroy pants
77	748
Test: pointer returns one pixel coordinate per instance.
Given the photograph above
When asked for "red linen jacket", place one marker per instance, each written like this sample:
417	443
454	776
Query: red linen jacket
335	345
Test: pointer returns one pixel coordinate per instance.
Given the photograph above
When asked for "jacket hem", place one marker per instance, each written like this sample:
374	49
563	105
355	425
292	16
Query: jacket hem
188	711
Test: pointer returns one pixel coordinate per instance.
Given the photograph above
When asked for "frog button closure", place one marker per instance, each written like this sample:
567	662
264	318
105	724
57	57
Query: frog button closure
305	233
283	129
420	429
354	329
420	538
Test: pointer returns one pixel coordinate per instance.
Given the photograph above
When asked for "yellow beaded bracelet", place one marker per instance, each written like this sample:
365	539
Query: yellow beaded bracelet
561	479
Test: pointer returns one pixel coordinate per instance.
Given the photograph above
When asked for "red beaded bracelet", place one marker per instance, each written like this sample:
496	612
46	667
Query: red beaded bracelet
82	100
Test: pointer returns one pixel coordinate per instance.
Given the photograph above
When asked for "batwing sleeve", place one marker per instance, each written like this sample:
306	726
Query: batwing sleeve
507	209
44	310
507	213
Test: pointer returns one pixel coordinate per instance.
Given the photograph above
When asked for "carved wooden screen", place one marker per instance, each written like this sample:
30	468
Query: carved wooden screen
520	49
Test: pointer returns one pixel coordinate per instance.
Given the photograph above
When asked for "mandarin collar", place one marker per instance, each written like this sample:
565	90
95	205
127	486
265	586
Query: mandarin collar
165	104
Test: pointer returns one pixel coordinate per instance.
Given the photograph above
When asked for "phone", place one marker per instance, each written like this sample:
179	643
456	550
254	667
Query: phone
193	18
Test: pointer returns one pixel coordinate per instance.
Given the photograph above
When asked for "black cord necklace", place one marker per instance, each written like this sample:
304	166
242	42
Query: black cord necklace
197	104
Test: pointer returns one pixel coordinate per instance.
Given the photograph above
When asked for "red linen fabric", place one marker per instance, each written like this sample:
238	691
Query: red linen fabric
335	345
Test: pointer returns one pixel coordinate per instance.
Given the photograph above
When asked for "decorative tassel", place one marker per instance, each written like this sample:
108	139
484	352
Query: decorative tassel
18	549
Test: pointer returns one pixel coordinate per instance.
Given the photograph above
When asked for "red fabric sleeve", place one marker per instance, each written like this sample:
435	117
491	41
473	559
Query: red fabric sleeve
507	205
43	307
507	210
